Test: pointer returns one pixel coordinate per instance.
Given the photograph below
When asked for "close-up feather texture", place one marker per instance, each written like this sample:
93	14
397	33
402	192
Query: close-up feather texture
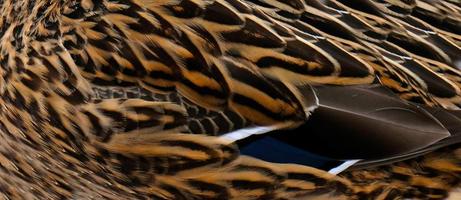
225	99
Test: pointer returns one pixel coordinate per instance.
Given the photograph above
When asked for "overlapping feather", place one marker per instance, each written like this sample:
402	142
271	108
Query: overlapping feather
97	95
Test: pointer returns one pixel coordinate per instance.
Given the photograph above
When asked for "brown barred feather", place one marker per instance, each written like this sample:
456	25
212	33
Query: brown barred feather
99	97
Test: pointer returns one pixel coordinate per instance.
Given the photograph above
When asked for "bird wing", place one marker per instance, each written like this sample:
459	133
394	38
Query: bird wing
253	60
250	61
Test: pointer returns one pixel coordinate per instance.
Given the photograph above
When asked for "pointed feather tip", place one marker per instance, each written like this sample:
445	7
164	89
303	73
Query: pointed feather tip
306	97
451	119
353	119
302	91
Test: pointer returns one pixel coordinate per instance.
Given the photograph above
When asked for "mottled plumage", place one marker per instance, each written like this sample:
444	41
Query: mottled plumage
125	99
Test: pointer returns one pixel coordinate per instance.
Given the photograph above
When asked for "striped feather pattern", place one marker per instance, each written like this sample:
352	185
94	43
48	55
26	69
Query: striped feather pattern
98	96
